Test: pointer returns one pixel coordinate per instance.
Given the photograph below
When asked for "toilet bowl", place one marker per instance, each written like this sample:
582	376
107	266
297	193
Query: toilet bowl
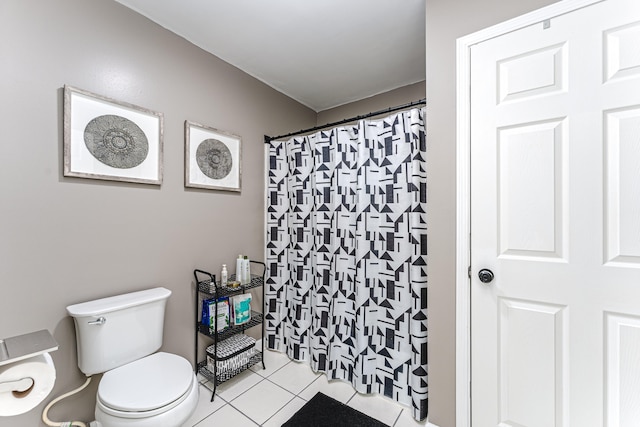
157	390
119	336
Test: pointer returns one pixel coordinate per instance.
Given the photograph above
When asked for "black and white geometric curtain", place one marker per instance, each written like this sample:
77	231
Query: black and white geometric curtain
346	254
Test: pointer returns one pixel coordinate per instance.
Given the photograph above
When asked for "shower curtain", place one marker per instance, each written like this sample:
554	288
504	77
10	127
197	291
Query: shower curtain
346	251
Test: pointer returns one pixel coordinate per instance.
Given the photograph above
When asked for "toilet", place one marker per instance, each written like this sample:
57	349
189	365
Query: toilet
119	336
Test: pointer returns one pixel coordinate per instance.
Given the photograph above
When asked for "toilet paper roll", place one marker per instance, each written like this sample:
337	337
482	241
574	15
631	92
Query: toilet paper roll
38	368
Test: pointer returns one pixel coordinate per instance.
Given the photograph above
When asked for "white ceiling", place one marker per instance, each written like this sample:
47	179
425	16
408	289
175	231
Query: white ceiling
322	53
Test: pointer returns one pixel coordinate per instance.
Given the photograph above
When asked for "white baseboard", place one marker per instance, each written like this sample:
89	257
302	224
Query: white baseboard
431	425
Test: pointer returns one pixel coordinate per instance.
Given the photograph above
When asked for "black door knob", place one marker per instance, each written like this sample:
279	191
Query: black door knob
485	275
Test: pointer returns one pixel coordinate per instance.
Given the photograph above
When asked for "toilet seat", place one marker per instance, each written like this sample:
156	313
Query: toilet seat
146	387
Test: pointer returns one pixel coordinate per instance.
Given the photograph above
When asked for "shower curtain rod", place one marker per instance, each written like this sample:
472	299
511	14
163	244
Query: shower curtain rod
268	139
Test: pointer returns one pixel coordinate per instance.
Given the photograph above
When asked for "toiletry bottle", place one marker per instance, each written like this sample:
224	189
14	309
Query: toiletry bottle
239	269
224	275
247	270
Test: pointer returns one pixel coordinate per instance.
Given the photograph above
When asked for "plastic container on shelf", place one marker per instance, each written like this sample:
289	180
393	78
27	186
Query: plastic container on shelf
239	268
224	275
246	271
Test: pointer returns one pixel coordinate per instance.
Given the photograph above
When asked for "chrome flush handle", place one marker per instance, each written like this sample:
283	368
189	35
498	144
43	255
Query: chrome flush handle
99	321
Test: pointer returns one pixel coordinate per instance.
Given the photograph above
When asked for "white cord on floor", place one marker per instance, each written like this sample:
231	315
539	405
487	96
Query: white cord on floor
46	419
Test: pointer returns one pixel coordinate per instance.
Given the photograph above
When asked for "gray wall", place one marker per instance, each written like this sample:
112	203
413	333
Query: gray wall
400	96
68	240
447	21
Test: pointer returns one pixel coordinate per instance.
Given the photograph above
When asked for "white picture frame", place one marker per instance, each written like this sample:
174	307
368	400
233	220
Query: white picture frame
111	140
212	158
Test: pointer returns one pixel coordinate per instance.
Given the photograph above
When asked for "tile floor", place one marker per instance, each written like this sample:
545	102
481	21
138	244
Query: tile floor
269	397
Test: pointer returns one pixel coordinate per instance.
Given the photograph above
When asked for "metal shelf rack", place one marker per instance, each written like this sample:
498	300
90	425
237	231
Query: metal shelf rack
209	288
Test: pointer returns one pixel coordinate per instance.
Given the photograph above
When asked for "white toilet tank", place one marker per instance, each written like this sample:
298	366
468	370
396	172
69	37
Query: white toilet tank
114	331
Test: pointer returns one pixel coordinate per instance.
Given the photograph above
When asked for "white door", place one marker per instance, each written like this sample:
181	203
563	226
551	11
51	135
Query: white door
555	216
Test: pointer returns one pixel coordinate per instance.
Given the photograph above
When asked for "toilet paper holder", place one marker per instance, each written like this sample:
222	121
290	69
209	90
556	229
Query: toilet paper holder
25	346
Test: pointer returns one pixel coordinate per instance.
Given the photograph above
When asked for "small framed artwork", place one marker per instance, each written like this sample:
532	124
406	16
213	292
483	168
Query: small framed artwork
111	140
212	158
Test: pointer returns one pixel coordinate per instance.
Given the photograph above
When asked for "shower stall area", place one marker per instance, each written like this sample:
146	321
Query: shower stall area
346	284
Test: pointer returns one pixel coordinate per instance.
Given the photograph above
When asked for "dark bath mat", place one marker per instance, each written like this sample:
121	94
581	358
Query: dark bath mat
323	411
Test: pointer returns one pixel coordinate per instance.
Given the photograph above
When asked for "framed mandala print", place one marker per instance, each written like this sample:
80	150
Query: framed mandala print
212	158
111	140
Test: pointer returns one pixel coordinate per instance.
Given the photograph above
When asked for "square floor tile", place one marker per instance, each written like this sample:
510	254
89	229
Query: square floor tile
338	389
205	407
262	401
294	376
237	385
285	413
267	397
273	360
406	420
226	416
375	406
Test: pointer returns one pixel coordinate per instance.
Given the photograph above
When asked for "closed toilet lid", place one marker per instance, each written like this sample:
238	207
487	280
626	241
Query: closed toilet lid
146	384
